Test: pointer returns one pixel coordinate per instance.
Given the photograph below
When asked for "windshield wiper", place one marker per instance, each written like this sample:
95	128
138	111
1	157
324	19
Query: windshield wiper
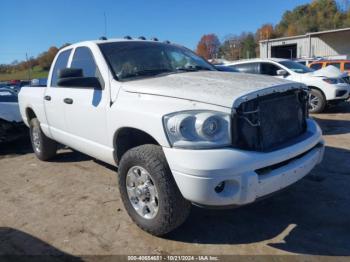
146	72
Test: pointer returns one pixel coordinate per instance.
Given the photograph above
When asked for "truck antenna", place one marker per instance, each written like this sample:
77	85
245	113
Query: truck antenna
105	23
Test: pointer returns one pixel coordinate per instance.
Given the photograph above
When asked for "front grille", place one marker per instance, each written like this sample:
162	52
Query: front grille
269	122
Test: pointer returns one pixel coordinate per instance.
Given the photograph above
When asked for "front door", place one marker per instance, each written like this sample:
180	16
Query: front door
85	108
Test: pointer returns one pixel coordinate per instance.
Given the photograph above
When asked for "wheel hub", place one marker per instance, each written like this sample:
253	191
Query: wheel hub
142	192
36	139
314	101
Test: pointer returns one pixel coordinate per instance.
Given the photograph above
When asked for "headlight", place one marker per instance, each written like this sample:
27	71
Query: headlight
331	81
198	129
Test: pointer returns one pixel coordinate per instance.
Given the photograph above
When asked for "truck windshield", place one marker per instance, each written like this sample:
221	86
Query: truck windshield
296	67
135	59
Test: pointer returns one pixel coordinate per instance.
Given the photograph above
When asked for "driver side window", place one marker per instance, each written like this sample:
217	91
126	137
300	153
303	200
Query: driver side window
269	69
83	59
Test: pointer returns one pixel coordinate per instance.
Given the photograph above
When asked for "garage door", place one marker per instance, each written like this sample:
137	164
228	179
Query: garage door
284	51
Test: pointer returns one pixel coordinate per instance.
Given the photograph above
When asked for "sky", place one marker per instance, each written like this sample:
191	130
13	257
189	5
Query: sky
32	26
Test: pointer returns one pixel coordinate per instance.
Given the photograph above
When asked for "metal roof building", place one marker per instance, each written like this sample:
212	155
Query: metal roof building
333	44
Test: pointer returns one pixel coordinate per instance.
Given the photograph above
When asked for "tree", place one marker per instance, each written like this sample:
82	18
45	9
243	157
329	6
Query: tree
208	46
45	59
292	30
230	49
249	45
238	46
319	15
266	31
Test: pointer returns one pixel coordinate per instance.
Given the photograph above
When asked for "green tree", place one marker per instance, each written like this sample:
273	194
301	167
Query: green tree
319	15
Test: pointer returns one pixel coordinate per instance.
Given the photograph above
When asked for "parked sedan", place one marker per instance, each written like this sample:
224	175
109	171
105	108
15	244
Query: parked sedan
328	85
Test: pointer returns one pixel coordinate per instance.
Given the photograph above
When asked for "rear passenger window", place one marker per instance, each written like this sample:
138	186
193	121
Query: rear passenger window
251	68
337	65
316	66
269	69
61	62
347	66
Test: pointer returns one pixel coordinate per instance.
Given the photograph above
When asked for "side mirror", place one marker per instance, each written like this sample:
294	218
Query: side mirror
282	72
73	77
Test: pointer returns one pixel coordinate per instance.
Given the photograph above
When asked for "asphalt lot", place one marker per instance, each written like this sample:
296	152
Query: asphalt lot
71	206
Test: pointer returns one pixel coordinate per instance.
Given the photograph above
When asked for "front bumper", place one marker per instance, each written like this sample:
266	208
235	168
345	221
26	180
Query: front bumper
198	172
339	92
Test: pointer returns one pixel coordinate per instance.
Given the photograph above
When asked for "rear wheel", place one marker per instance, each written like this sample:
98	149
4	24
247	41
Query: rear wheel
317	101
149	192
44	147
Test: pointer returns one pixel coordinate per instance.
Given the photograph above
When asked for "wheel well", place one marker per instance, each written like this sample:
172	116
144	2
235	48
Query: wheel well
316	88
30	114
127	138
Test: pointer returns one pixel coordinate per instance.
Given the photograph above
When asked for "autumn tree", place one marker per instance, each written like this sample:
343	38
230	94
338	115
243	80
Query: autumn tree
319	15
45	59
208	46
266	31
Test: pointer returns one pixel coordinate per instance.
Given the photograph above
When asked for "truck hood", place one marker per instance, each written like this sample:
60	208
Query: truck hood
329	71
211	87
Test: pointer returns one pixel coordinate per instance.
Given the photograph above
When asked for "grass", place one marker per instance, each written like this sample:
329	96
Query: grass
36	72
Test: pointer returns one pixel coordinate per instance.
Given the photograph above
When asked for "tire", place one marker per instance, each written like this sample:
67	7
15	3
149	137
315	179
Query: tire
44	148
317	101
171	208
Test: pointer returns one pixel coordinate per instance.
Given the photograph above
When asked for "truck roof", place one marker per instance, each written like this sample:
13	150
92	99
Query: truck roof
112	40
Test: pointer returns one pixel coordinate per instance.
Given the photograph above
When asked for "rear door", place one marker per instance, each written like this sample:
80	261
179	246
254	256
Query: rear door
86	111
53	100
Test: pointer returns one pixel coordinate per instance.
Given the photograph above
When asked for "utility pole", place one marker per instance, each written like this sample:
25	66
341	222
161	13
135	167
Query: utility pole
28	66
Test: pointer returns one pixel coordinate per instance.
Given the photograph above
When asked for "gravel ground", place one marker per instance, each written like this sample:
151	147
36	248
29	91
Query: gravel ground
71	206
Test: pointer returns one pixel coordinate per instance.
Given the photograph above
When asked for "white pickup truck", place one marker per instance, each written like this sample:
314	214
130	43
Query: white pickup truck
179	131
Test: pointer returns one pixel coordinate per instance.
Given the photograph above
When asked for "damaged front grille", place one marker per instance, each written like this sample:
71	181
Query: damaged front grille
269	122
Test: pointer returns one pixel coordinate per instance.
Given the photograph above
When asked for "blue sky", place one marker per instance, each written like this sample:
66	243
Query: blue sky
33	26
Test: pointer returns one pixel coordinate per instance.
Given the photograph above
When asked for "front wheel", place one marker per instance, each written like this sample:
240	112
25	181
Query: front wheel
149	192
44	147
317	101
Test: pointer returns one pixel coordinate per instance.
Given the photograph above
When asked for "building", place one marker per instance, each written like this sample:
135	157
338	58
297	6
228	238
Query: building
332	44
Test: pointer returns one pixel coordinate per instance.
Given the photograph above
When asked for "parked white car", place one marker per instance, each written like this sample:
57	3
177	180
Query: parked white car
11	125
179	131
327	85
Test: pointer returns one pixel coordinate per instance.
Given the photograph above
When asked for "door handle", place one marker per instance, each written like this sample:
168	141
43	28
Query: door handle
68	101
47	98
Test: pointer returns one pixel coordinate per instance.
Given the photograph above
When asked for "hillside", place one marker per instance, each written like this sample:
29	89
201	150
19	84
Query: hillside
36	72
